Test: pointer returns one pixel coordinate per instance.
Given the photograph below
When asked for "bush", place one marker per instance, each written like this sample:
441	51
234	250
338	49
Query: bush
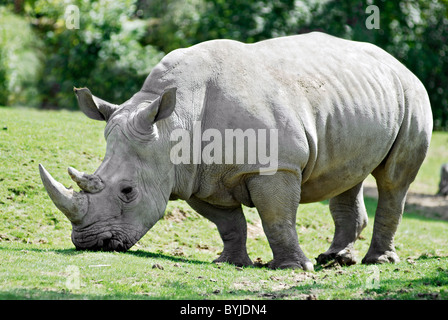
104	54
20	61
3	79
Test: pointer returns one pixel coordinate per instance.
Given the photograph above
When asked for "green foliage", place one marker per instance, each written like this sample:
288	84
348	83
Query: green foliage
104	54
171	24
119	42
20	60
4	93
179	23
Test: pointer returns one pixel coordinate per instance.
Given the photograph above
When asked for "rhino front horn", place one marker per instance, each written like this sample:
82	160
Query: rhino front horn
74	205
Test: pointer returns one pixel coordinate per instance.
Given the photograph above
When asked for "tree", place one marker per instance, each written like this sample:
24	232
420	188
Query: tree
104	54
249	21
20	60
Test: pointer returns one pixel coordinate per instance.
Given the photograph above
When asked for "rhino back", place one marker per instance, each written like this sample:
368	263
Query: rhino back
338	105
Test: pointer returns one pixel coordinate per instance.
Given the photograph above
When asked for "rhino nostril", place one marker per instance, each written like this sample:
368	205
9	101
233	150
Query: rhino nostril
106	243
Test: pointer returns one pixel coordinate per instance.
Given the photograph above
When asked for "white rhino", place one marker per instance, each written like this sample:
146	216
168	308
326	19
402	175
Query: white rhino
342	110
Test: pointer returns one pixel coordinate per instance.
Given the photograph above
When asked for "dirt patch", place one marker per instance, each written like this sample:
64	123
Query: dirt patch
176	215
430	206
255	229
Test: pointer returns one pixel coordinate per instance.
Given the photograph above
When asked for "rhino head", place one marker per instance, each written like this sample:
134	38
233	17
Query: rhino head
128	193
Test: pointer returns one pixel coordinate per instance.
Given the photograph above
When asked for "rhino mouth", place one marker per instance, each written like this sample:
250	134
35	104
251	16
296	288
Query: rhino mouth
109	244
115	240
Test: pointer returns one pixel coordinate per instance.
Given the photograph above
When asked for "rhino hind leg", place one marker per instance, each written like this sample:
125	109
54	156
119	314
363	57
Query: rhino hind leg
277	198
392	186
232	228
350	218
393	177
387	218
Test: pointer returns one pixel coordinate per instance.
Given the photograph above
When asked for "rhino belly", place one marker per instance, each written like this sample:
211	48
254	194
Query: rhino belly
336	181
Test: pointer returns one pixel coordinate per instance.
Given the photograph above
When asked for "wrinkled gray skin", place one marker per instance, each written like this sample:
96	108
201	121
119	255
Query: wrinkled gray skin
343	110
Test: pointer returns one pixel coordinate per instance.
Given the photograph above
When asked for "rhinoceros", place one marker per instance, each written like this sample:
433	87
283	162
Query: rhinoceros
341	109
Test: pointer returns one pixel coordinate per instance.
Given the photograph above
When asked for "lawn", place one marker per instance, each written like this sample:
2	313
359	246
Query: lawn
173	261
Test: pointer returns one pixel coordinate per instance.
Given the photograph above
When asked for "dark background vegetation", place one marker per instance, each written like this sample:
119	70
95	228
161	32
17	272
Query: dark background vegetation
119	41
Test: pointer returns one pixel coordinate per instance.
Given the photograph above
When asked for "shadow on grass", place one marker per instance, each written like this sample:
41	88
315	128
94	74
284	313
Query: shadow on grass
68	251
39	294
146	254
137	253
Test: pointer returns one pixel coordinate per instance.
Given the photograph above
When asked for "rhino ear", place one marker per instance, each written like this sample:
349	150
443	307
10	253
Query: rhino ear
94	107
167	104
164	105
157	110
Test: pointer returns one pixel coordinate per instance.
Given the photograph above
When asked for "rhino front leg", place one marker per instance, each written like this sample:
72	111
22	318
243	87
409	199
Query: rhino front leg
350	218
276	198
232	228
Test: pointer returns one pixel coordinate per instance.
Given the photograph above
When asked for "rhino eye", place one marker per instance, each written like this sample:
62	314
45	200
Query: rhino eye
128	194
126	190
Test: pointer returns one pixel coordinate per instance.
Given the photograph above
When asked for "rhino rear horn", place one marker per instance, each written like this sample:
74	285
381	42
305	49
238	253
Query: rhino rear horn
88	182
94	107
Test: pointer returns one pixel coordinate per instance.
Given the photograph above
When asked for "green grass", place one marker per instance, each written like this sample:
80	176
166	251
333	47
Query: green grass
38	260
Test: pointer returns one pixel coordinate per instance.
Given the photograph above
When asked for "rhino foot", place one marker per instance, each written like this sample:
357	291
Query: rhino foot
239	261
386	257
305	265
344	257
